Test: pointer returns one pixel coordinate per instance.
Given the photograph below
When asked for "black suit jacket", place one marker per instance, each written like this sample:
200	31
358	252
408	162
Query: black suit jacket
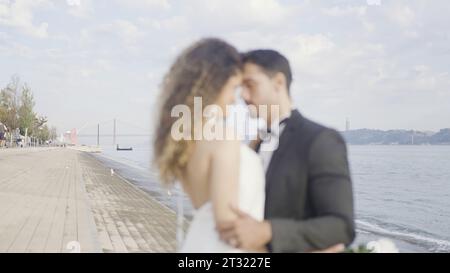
309	199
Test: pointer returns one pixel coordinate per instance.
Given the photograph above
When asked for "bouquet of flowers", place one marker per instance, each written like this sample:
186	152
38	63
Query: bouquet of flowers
380	246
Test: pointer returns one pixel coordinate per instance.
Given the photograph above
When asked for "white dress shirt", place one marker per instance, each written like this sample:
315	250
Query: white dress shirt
271	140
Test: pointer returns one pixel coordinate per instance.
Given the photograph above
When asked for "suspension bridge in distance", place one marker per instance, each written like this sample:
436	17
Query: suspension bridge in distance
113	130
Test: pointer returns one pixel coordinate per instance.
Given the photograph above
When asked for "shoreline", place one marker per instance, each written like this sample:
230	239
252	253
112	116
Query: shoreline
148	182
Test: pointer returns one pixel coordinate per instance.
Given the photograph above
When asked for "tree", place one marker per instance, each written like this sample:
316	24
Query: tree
40	129
27	117
43	133
17	111
10	103
2	111
53	133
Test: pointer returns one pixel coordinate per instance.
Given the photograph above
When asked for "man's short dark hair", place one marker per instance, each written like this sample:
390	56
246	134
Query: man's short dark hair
271	62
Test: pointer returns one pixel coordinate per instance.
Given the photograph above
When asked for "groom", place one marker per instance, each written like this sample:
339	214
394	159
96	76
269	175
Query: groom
309	200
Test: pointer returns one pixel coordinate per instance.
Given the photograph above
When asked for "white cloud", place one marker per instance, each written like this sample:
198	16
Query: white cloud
261	11
148	4
95	68
8	47
402	15
238	13
173	23
80	8
73	2
309	45
20	15
128	34
346	11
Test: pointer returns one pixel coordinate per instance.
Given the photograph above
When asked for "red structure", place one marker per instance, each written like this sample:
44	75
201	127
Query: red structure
70	137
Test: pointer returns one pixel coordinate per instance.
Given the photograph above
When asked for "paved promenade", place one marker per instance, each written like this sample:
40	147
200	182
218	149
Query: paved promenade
62	200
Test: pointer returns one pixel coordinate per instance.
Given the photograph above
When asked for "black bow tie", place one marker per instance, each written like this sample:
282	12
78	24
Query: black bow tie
284	121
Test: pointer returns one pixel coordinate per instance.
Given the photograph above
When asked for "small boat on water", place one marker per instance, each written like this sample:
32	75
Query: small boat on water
124	149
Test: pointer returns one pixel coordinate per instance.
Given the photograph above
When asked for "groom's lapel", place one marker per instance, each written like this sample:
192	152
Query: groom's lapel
283	146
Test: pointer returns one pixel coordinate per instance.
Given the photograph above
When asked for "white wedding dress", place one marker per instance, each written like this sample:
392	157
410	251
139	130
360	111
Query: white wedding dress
202	236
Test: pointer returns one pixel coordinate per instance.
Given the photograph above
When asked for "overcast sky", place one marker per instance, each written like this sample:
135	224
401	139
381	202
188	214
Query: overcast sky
382	63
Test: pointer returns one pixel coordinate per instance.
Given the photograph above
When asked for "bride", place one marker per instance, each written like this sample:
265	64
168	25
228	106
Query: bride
217	174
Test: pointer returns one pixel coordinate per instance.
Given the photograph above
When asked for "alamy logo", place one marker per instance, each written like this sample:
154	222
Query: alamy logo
74	247
211	123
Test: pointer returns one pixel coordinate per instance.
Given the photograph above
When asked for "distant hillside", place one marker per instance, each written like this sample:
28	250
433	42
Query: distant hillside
396	137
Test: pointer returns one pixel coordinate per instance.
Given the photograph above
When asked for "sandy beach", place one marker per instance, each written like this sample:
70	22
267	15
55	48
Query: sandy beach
64	200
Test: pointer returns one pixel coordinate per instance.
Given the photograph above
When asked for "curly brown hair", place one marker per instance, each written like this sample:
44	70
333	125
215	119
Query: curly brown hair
200	71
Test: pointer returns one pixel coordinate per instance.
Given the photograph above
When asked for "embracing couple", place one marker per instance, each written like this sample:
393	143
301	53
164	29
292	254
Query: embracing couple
296	197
